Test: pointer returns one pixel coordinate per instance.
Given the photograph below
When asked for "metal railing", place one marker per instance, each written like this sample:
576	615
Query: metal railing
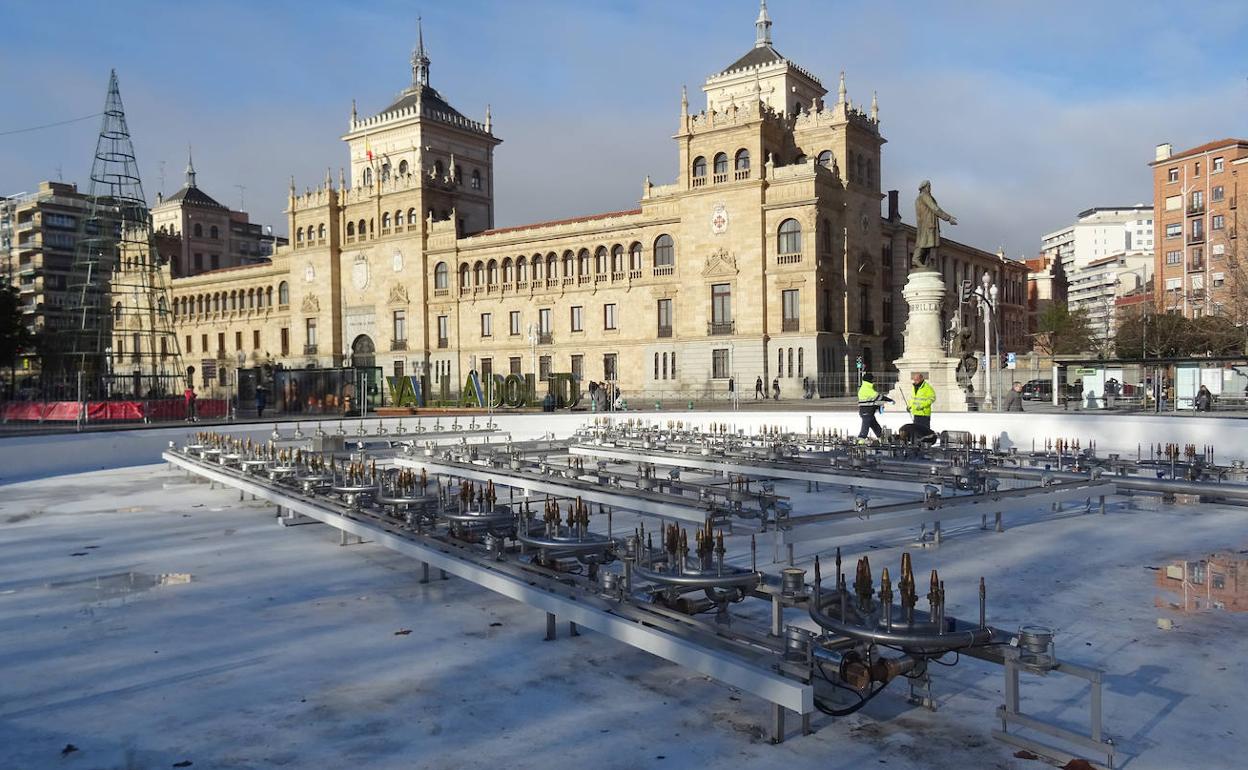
720	328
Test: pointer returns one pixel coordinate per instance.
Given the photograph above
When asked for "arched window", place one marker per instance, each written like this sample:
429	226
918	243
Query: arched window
824	159
780	362
827	237
656	366
198	229
600	259
368	177
371	229
673	364
463	277
743	160
320	231
582	259
537	267
508	273
699	167
790	362
665	366
350	229
251	298
790	238
411	216
283	294
398	219
299	235
552	265
360	228
441	276
385	172
491	272
801	363
634	257
617	258
521	271
721	163
459	174
478	274
385	221
569	266
437	169
476	179
664	251
402	168
268	297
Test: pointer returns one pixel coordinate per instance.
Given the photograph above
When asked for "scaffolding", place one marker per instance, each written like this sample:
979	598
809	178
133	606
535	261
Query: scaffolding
123	343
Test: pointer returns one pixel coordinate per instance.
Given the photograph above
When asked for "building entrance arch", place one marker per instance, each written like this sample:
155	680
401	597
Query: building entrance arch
363	352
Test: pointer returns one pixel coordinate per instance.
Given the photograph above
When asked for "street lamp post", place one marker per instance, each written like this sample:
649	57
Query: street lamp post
987	294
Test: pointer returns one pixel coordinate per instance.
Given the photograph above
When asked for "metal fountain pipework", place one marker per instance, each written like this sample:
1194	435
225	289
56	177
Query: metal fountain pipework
470	511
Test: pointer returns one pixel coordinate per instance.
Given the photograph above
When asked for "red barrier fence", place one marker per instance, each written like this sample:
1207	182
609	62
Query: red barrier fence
109	411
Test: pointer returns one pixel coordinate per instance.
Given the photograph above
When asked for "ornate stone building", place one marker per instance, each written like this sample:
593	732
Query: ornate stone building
766	257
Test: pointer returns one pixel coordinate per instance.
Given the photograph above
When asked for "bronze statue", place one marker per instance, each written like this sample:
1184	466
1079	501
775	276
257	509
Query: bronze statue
927	226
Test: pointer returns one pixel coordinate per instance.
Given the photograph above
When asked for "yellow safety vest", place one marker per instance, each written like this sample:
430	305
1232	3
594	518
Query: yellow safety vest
867	396
921	402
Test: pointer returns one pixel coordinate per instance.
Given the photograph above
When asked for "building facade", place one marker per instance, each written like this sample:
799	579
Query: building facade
1100	232
767	256
196	234
1096	287
1195	203
1047	284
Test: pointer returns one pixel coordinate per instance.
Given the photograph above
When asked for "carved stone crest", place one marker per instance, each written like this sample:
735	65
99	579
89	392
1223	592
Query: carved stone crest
398	294
359	272
720	262
311	304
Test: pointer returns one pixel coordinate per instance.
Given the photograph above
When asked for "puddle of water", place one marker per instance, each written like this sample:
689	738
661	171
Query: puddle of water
1218	581
120	584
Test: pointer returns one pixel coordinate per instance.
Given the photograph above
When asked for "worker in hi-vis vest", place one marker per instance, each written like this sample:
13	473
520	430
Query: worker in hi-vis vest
921	405
869	402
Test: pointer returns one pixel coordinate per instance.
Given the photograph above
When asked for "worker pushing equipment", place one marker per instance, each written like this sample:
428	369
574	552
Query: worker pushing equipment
869	402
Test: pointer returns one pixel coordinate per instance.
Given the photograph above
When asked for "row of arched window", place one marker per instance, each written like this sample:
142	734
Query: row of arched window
363	229
384	174
582	266
860	168
309	234
198	231
226	301
719	167
668	366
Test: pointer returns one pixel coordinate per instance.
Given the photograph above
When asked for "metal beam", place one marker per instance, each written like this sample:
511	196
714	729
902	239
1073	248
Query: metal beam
767	468
909	515
572	604
638	500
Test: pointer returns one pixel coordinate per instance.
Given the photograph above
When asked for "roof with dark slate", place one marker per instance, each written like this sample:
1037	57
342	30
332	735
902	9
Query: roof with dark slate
428	96
193	196
760	55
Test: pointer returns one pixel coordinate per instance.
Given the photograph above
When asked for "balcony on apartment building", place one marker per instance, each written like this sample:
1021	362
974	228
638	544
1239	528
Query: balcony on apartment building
720	328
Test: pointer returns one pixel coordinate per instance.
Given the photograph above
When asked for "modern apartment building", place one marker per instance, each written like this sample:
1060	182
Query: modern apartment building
1096	287
1100	232
1195	203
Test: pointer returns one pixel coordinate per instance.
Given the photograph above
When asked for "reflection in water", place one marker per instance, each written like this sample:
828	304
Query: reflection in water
1216	582
122	584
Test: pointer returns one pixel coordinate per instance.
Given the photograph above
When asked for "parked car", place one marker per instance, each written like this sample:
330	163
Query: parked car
1042	390
1038	390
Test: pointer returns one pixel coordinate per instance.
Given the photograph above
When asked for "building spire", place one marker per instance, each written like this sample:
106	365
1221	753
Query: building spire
190	168
762	26
684	100
875	107
489	119
841	93
420	59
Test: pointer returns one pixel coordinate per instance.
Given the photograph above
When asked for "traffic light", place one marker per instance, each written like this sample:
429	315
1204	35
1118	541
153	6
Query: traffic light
968	291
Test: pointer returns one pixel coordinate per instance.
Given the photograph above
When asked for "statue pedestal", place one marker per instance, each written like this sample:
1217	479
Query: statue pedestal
924	346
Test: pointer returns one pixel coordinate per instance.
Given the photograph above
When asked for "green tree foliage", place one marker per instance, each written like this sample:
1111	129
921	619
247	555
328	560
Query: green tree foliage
15	338
1061	331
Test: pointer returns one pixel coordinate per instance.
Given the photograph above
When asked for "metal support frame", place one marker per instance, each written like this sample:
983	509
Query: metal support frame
765	468
1012	716
638	500
620	621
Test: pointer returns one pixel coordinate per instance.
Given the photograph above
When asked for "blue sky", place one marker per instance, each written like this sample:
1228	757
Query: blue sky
1022	113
